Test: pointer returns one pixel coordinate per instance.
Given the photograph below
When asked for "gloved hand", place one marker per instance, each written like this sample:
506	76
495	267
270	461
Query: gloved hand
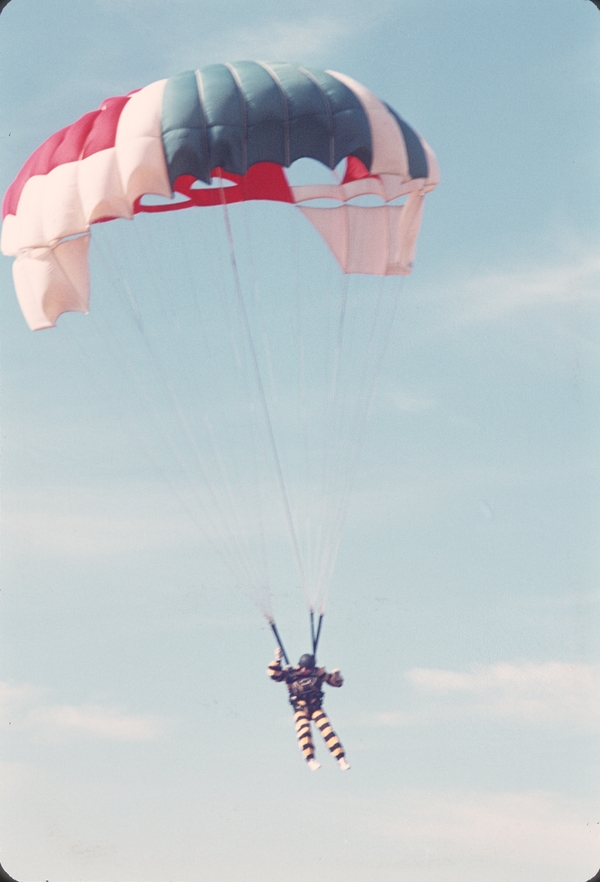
278	654
336	677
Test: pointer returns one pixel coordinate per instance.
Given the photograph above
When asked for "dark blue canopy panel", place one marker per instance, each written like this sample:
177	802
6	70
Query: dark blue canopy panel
418	166
236	115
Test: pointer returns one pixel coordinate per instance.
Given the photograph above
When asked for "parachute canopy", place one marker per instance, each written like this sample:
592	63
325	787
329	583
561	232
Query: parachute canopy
241	124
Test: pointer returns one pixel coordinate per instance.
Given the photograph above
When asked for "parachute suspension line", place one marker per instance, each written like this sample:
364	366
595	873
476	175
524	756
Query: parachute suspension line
236	551
305	489
339	337
138	385
318	634
332	454
336	471
315	636
278	639
259	513
263	399
93	375
259	586
316	345
232	523
355	445
341	479
359	436
259	583
230	494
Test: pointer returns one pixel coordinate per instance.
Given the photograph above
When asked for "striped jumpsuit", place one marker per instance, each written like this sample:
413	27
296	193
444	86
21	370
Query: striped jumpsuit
308	707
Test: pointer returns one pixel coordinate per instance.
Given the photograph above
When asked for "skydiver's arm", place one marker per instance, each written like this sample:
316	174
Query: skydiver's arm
275	670
334	678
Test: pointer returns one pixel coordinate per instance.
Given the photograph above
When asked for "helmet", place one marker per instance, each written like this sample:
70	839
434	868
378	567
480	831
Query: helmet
307	660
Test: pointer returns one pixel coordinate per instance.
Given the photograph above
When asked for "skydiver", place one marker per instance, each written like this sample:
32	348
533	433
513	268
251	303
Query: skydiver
304	682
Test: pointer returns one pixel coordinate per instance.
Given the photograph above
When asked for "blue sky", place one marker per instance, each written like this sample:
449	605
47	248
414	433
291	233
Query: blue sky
141	738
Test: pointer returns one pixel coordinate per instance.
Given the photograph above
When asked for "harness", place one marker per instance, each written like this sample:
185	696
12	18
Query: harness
305	691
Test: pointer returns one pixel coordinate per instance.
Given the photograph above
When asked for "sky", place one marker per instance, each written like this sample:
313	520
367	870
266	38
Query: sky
140	736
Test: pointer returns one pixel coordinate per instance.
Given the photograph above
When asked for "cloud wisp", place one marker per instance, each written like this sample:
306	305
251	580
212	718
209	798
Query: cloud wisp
501	831
302	38
310	38
96	721
499	295
22	707
524	693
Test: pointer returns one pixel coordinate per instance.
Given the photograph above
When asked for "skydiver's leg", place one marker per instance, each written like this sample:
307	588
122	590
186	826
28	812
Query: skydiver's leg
331	739
305	742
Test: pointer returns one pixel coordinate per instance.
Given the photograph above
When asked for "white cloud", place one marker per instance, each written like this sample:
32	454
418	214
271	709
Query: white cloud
554	692
533	693
306	39
406	402
20	707
95	721
489	830
15	775
303	38
496	295
12	695
74	534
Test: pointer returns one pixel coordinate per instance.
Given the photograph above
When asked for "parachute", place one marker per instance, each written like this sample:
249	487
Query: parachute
215	137
245	122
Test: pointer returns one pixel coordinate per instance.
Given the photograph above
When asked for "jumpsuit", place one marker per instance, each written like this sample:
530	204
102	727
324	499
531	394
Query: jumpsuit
306	697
